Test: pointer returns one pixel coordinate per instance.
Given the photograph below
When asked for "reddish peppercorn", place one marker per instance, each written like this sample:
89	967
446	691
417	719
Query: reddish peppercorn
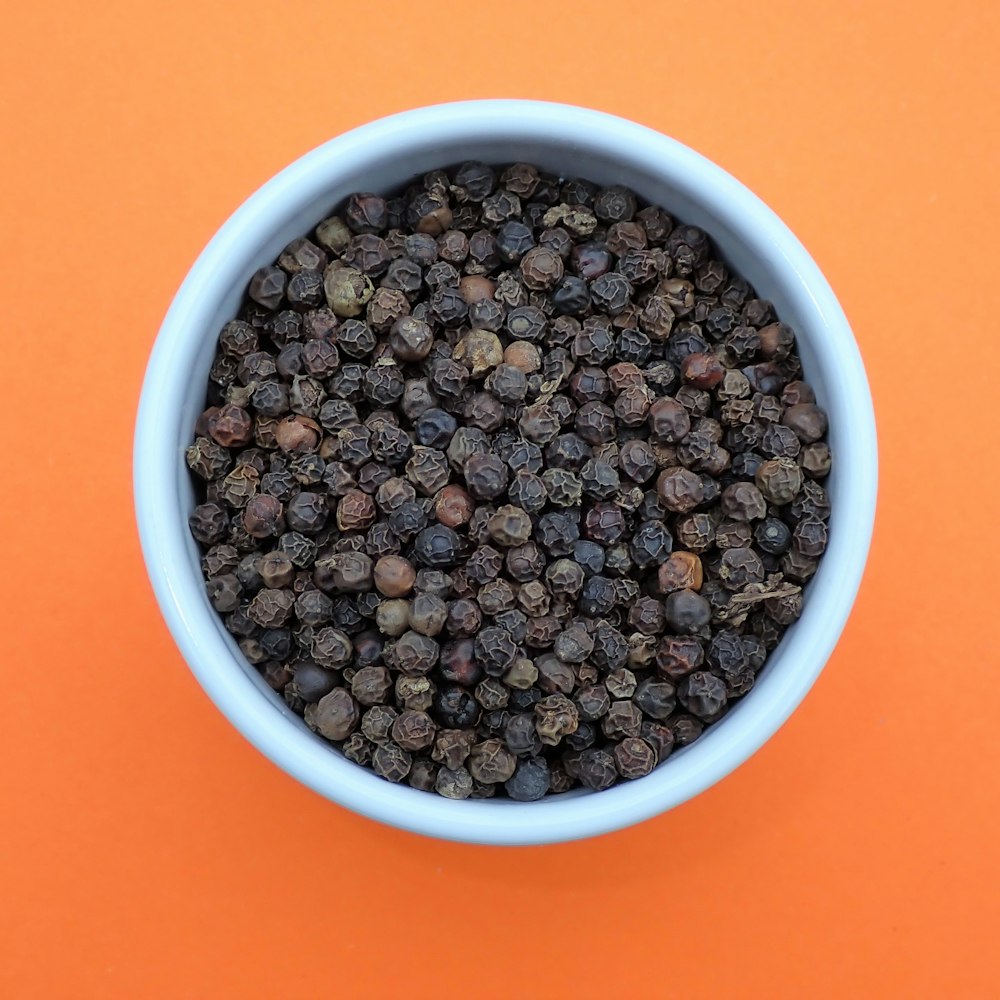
394	576
355	510
669	421
263	516
680	571
702	370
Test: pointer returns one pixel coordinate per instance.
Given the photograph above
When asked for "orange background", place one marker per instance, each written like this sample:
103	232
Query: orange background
147	851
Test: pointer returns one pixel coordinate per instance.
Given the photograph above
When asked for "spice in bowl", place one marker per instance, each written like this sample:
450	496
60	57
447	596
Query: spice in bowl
508	485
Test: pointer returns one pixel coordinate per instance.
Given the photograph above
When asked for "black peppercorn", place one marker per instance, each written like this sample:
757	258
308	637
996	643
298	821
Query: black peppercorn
703	694
596	769
494	650
436	546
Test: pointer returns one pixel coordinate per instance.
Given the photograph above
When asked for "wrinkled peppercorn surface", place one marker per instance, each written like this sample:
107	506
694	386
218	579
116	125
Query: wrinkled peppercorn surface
507	483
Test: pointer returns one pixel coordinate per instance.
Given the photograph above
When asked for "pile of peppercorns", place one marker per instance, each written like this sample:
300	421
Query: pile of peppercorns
509	485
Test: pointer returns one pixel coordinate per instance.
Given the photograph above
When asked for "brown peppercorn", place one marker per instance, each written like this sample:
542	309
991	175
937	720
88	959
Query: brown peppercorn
415	654
428	614
415	693
220	559
263	516
452	746
239	486
592	702
634	757
496	597
492	694
307	512
423	775
621	683
486	475
302	255
807	420
816	460
271	608
480	351
454	783
484	564
207	459
740	566
394	576
355	511
555	717
509	526
347	289
574	645
231	426
679	489
414	730
779	479
641	650
491	762
604	523
276	570
386	307
297	434
632	405
393	617
668	420
335	715
521	178
656	318
743	502
681	571
331	648
596	769
453	506
646	616
350	571
678	655
541	269
521	674
554	675
410	338
358	750
370	685
432	214
776	340
476	288
523	355
703	694
696	532
224	591
637	460
623	719
534	598
376	723
702	370
267	286
391	761
565	578
524	562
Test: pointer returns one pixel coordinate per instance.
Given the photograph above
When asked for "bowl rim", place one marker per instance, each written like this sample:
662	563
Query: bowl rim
560	818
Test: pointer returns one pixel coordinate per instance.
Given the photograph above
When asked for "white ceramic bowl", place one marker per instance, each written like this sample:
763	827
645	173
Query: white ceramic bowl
572	142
